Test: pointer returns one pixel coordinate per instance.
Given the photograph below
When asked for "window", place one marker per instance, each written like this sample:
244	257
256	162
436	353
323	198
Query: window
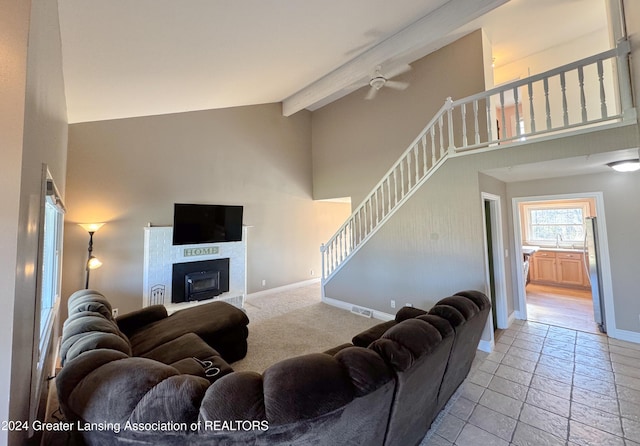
51	263
48	286
555	224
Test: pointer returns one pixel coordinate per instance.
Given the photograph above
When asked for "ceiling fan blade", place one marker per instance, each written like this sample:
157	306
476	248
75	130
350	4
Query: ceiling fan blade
397	71
372	93
396	85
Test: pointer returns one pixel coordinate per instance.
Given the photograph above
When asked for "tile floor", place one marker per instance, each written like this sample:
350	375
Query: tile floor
545	385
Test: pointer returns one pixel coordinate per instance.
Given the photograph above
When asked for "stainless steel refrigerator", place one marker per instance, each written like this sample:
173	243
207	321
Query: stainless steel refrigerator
592	265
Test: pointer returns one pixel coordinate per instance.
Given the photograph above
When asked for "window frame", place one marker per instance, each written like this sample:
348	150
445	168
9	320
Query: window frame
48	287
527	208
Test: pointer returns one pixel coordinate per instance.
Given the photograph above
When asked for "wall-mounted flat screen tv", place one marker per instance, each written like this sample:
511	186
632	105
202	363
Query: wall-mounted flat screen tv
206	223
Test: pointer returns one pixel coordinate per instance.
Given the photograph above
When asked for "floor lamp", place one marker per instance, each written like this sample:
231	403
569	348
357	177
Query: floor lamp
92	261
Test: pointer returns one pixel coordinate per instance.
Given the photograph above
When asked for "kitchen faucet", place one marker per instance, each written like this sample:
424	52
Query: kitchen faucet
558	240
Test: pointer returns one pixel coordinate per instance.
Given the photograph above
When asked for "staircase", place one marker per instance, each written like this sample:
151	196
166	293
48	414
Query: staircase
591	92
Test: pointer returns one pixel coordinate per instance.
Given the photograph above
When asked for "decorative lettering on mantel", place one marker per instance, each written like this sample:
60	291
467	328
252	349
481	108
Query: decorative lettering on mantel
206	251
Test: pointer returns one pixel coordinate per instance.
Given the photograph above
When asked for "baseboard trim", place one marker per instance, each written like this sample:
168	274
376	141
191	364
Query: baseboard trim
511	319
626	335
518	315
485	346
291	286
347	306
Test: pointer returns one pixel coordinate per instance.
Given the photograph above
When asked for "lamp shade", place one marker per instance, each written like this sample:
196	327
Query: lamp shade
94	263
91	227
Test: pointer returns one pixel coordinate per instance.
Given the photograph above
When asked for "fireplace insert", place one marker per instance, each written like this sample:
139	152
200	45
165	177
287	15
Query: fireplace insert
199	280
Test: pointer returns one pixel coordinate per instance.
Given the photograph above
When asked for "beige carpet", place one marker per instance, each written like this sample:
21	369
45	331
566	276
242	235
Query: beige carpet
295	322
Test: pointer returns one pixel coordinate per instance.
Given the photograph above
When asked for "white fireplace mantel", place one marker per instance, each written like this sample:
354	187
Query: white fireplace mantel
160	254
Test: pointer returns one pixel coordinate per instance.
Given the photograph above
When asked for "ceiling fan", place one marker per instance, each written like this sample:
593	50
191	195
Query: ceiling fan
378	80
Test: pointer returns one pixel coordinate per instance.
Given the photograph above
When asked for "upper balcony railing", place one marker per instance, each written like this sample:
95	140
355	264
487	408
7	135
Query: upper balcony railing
590	92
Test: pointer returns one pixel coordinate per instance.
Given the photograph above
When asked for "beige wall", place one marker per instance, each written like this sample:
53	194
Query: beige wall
356	141
33	130
130	172
14	28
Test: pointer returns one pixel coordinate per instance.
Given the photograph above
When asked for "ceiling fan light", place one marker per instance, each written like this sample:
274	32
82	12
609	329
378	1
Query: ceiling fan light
625	165
377	82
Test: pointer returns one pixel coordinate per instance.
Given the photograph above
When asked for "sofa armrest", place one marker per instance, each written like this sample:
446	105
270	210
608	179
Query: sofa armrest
132	322
405	313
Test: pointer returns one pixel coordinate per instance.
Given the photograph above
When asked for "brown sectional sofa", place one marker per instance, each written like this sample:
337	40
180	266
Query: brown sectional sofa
383	389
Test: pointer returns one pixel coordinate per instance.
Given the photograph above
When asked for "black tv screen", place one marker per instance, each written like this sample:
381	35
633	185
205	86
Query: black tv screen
206	223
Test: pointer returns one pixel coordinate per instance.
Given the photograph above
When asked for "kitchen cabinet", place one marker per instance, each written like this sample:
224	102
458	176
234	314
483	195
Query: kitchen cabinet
559	268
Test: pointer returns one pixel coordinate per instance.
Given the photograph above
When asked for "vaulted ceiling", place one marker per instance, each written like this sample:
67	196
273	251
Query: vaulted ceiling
124	58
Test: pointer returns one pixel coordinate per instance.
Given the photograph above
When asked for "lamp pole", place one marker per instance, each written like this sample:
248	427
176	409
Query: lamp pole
86	285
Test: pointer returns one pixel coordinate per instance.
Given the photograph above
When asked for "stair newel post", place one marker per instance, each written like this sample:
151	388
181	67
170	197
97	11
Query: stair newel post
624	78
450	123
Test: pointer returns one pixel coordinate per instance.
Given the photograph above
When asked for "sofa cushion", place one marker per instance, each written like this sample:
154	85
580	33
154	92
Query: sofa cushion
93	303
440	324
130	323
175	399
112	391
405	313
305	387
238	396
365	368
219	324
91	341
188	345
402	344
366	337
465	306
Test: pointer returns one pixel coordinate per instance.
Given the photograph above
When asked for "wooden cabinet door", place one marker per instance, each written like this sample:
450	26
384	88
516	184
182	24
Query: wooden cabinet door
544	267
570	269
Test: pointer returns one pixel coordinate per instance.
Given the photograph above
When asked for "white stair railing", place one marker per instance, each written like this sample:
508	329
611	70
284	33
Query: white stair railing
572	97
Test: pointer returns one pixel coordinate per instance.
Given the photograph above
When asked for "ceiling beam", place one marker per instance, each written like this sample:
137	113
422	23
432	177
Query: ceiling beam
421	34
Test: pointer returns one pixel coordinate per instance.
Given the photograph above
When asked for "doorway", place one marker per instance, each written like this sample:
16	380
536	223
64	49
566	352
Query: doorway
556	282
495	278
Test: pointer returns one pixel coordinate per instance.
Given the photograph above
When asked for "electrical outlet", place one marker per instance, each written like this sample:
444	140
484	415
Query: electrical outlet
264	282
393	303
408	305
114	312
311	273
